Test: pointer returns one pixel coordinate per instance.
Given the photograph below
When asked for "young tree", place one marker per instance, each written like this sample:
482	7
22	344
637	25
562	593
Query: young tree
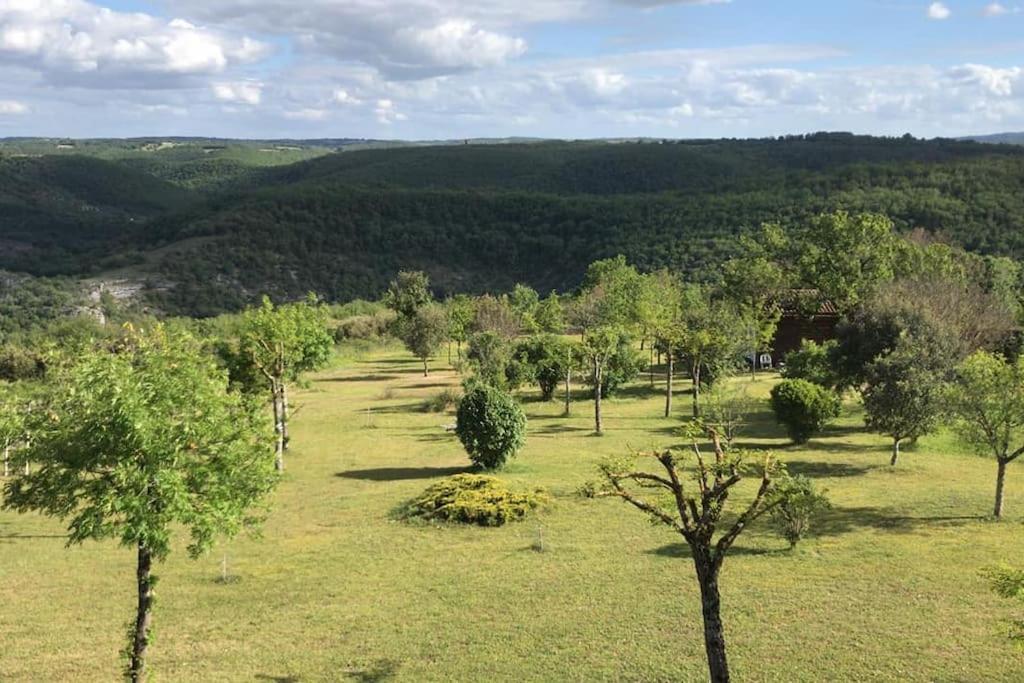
425	332
708	337
491	426
663	319
279	344
803	408
525	301
550	315
139	442
461	310
987	402
692	501
599	345
407	293
903	394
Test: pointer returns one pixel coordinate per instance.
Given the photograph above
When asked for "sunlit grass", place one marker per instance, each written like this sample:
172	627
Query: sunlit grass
337	590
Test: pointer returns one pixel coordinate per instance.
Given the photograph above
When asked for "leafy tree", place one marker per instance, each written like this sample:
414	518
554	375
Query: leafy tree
409	291
799	503
756	285
280	343
425	332
662	315
708	338
525	301
548	358
490	354
1008	582
903	394
813	362
461	311
803	408
550	315
623	365
691	500
495	315
138	443
491	426
987	403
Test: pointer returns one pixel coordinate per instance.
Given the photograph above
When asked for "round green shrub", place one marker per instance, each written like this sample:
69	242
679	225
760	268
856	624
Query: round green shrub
490	425
473	499
803	407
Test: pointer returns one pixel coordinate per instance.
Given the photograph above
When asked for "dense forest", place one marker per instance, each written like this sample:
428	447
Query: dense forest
211	226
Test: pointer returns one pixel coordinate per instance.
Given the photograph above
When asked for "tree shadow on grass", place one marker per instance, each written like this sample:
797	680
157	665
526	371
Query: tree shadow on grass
277	679
356	378
381	670
824	468
635	391
682	550
554	429
416	407
403	473
841	520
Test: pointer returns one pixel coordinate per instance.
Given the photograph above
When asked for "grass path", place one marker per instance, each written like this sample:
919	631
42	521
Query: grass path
335	590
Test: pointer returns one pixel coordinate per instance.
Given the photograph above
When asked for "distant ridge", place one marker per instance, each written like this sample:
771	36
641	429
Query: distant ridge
998	138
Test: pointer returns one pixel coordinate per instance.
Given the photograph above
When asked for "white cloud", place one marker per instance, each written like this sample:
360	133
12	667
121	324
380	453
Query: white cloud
939	11
387	113
308	114
12	107
77	42
342	96
242	92
997	9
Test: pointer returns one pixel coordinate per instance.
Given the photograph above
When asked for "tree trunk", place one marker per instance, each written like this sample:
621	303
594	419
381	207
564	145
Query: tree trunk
1000	482
449	352
711	608
696	390
650	372
670	369
425	370
143	616
597	398
895	452
7	460
285	438
568	392
278	432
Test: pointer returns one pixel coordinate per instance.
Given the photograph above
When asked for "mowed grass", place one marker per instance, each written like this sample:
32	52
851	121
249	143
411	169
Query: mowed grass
336	589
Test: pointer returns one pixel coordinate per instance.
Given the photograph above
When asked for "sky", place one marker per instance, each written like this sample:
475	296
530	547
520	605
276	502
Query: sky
442	69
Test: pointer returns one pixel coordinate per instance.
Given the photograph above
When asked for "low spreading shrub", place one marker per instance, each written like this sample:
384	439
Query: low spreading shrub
473	499
442	401
803	408
799	503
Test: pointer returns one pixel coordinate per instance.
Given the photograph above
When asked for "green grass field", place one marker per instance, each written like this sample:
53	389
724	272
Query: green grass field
336	590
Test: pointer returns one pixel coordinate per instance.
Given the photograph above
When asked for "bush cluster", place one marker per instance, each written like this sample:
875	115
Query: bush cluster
372	326
491	426
803	407
473	499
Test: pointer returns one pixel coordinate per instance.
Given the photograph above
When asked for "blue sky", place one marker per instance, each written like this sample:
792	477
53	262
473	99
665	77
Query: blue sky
493	68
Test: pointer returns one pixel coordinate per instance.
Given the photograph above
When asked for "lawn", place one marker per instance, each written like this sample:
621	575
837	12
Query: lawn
335	589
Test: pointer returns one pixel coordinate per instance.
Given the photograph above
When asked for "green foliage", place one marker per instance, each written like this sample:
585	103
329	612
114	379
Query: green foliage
18	363
491	426
135	443
1008	582
623	365
987	404
548	358
473	499
803	408
490	354
279	343
407	293
442	401
376	325
425	331
812	362
903	393
796	503
550	315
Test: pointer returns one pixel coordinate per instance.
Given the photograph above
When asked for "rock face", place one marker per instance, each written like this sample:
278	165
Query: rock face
120	290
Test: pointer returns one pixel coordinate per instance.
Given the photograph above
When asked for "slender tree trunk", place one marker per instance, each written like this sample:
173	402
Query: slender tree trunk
143	616
1000	482
597	398
651	363
895	452
449	352
285	437
696	390
568	392
278	431
7	460
711	608
425	370
670	369
459	348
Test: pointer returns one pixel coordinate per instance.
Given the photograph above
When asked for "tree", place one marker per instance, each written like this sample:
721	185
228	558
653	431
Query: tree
547	357
525	301
691	501
495	315
708	337
137	443
550	315
491	426
425	332
813	362
490	354
799	503
756	286
460	309
987	403
407	293
663	319
903	394
599	345
280	343
803	408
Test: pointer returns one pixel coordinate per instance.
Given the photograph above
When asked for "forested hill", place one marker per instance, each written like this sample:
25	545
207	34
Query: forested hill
483	216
